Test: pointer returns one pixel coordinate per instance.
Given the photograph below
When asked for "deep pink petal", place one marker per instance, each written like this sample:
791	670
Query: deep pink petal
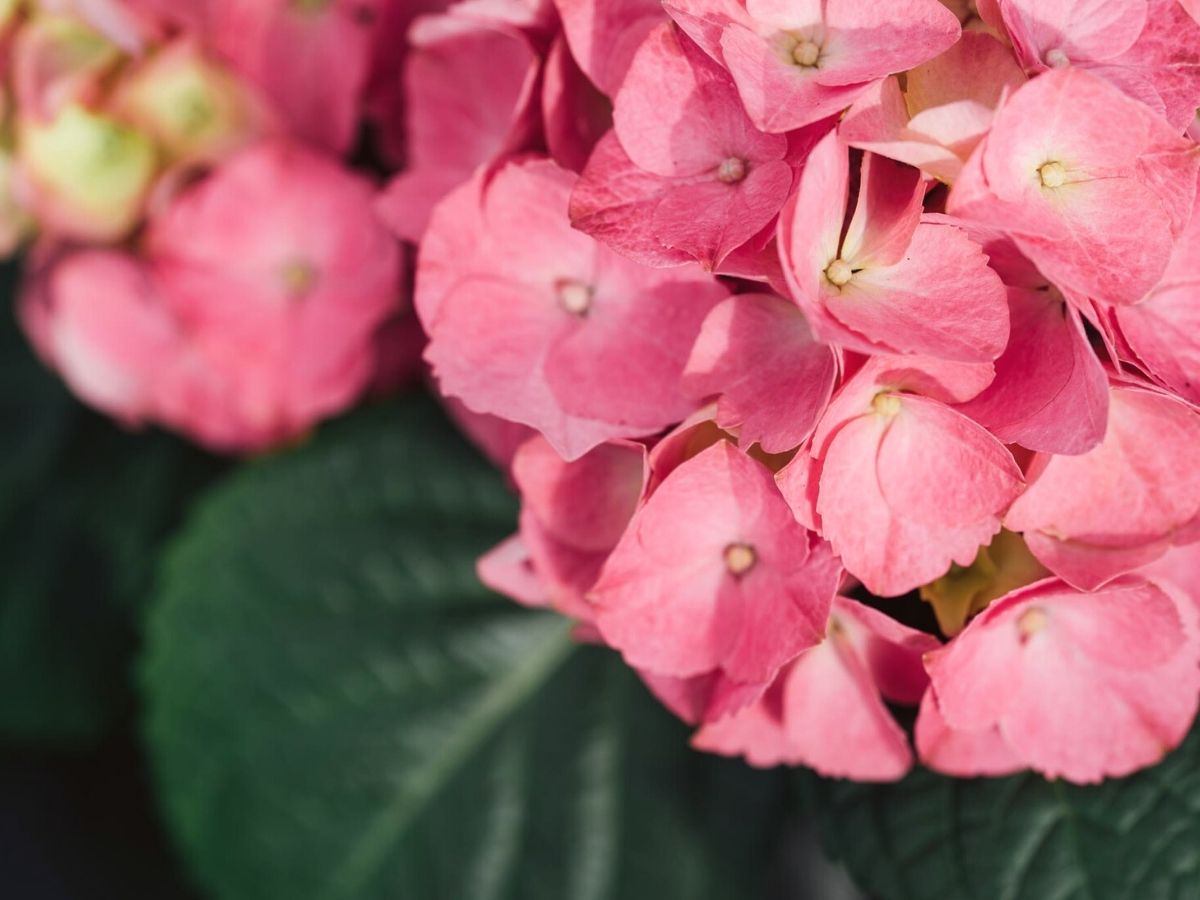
1050	392
757	354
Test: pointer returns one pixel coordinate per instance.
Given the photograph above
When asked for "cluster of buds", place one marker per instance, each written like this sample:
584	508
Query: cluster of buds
200	254
844	355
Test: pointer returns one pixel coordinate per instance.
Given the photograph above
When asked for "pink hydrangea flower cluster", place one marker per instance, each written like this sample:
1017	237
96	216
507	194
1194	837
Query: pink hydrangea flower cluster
203	257
779	311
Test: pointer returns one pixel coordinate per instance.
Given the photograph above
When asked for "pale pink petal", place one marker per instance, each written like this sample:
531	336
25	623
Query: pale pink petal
963	754
944	109
1079	30
941	299
778	95
506	569
907	491
1126	493
867	41
1048	666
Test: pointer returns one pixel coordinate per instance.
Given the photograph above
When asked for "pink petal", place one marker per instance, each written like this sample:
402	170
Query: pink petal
615	201
963	754
778	95
574	113
506	569
469	92
941	299
825	712
604	34
1050	392
710	220
586	503
1081	30
279	46
1066	699
756	352
1164	329
98	319
904	495
1124	494
1107	231
678	112
504	340
701	698
946	107
887	214
867	42
668	599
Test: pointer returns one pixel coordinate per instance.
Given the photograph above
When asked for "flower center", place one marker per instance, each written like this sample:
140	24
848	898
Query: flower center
839	273
298	278
732	170
886	405
1031	622
1053	174
740	559
575	297
999	568
806	53
1057	58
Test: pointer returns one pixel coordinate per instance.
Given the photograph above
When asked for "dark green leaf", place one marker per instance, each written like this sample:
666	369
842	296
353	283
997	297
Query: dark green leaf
337	709
1021	838
83	508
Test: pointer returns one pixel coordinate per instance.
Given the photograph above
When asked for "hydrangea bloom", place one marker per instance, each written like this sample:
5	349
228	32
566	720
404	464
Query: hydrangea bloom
798	62
531	320
826	709
955	359
715	574
1097	209
240	330
204	258
886	279
774	311
689	178
1076	685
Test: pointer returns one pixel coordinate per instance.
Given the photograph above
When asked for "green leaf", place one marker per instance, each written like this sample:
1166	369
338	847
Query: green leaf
338	710
83	509
1021	838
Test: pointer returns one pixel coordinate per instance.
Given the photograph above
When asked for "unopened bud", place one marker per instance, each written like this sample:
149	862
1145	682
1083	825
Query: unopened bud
90	173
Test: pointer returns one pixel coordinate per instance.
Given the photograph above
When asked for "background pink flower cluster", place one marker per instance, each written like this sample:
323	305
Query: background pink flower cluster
203	257
782	310
780	313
